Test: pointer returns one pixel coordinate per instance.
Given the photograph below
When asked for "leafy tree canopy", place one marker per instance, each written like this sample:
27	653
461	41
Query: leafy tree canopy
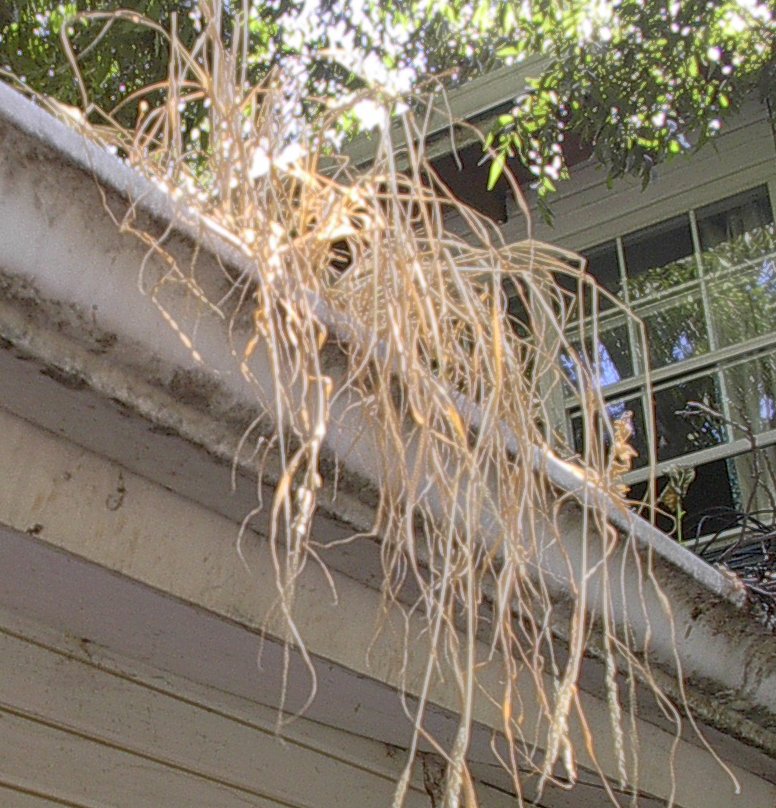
638	80
335	46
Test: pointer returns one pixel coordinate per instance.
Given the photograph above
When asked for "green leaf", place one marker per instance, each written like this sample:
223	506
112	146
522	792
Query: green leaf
496	169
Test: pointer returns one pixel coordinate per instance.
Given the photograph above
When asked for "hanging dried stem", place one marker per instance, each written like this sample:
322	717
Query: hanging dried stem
458	397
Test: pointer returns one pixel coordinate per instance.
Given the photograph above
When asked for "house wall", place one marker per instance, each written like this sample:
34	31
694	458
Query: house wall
83	726
587	212
129	671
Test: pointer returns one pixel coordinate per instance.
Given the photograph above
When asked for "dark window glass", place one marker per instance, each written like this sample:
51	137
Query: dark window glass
682	434
659	257
708	501
517	313
522	302
731	218
676	332
602	264
615	410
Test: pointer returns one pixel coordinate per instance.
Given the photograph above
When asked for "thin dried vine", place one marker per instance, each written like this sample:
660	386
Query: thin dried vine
454	396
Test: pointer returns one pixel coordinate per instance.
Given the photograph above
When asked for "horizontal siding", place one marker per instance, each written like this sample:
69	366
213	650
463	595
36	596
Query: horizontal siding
13	797
90	736
88	772
586	212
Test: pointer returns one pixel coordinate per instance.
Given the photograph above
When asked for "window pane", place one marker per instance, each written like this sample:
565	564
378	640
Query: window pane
603	265
614	362
751	389
731	218
676	332
517	313
756	482
743	303
710	496
660	257
615	410
678	434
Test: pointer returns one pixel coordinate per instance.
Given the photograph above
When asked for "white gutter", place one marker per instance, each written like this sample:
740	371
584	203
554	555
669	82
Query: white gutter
116	175
709	623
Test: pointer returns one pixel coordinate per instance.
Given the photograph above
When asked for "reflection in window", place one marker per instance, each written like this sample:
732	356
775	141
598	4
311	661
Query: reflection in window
683	347
767	275
609	374
660	257
733	217
606	372
676	333
683	434
767	408
751	389
739	231
743	305
614	362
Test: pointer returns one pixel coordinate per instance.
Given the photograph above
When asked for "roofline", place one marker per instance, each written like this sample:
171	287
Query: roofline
473	99
121	178
713	638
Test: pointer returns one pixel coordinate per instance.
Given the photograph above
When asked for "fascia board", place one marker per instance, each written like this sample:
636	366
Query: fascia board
474	99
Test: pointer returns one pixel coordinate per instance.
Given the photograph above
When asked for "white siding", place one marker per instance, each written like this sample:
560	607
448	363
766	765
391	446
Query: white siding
587	212
73	732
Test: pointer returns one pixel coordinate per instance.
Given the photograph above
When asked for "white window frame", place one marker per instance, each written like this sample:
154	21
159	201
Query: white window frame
715	359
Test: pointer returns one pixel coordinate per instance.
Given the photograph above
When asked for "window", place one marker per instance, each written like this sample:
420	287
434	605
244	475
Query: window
704	285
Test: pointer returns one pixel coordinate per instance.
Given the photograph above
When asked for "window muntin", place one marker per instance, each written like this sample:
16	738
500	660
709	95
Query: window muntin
704	284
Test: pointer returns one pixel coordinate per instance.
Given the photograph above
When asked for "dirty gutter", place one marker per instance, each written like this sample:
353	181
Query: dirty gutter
710	615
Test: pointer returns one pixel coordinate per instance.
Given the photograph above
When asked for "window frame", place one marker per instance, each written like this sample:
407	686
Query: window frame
714	360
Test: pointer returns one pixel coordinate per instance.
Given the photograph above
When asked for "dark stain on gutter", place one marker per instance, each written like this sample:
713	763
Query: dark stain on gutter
70	380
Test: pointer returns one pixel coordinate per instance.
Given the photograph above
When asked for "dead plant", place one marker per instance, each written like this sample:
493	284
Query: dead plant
454	401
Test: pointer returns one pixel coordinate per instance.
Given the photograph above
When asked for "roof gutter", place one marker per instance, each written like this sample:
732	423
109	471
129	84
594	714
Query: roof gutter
710	621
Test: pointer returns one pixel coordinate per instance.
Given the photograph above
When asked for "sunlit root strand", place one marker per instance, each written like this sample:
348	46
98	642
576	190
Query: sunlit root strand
359	306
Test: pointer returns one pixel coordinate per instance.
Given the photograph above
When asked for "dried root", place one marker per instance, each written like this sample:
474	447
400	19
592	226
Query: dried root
457	397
